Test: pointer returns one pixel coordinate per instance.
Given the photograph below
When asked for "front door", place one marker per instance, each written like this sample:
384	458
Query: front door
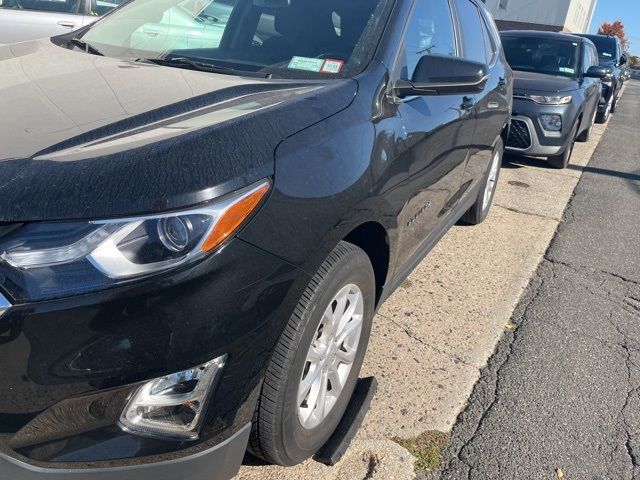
480	41
438	133
27	20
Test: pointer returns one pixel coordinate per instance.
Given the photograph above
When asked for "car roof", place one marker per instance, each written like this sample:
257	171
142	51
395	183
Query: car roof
593	35
543	34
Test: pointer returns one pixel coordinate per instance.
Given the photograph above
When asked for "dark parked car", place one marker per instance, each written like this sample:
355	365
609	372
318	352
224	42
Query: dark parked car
556	93
612	57
193	242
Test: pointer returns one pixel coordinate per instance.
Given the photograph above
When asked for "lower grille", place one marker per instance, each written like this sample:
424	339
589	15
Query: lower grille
519	135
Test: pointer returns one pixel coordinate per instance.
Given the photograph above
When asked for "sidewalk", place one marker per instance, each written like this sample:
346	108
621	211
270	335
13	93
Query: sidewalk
560	398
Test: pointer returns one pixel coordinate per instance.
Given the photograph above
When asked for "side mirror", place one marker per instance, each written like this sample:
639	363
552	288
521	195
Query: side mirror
597	72
444	75
624	59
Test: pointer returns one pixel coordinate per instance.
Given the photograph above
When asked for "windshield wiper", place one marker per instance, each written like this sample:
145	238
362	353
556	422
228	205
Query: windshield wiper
184	62
87	47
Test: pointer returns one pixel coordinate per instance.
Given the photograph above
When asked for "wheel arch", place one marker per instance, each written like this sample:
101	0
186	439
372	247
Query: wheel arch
373	239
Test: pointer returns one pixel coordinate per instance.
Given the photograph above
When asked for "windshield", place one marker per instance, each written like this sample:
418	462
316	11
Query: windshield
606	47
284	38
543	55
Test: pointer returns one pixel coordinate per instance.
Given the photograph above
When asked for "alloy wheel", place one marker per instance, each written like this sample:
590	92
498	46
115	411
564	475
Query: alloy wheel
492	180
330	356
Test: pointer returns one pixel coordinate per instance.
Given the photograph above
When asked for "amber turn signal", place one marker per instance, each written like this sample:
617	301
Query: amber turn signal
233	217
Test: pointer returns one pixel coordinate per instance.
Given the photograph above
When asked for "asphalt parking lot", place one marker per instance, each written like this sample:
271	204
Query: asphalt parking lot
433	338
560	398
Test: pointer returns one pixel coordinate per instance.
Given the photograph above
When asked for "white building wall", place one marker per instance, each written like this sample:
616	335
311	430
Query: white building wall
573	15
580	15
547	12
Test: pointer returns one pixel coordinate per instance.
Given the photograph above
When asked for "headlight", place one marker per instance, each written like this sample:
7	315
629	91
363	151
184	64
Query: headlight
543	100
47	260
551	123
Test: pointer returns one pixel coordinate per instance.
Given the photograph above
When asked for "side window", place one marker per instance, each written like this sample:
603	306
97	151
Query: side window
594	56
102	7
429	32
586	57
471	29
489	44
59	6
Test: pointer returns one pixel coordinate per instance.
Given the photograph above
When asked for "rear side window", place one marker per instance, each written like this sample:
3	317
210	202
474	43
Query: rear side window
429	32
472	30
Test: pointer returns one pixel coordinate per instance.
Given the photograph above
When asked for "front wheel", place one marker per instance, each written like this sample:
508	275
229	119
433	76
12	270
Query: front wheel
603	117
614	105
315	366
585	136
562	161
480	209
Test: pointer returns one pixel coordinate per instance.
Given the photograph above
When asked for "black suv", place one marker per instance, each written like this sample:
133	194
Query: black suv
198	224
612	57
556	93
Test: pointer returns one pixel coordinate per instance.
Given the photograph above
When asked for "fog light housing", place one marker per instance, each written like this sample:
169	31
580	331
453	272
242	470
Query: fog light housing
173	406
551	123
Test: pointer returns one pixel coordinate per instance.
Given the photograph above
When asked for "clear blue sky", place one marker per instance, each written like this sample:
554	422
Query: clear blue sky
626	10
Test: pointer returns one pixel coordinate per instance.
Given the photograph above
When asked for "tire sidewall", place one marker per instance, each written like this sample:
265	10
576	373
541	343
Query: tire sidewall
299	443
498	149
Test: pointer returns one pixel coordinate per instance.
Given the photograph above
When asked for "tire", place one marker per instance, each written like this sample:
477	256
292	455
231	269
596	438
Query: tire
480	209
603	117
614	105
585	136
279	433
562	161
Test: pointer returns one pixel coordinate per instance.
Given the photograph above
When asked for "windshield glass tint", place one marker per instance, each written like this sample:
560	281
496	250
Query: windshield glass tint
542	55
606	47
299	38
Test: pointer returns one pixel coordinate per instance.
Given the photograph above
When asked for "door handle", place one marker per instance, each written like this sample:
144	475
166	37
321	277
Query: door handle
69	25
467	103
502	82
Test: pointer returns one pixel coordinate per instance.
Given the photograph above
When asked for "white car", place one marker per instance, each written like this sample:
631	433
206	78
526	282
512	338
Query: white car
22	20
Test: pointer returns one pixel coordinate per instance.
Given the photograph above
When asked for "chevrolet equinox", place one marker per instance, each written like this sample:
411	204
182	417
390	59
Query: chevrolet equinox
204	203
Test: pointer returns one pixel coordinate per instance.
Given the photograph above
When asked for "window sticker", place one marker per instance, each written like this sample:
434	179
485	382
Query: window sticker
332	66
567	70
306	63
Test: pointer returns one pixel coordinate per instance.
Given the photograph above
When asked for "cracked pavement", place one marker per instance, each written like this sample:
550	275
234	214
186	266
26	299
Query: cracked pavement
562	392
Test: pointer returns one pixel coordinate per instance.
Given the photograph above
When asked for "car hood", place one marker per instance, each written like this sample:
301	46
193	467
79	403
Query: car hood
85	136
528	82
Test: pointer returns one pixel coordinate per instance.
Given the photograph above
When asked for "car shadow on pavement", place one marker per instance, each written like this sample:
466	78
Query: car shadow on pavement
515	162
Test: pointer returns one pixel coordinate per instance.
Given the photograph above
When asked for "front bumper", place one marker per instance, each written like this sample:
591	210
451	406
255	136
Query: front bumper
67	367
219	462
527	136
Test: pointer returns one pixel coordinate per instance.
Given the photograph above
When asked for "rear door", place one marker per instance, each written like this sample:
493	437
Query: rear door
438	129
22	20
481	43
